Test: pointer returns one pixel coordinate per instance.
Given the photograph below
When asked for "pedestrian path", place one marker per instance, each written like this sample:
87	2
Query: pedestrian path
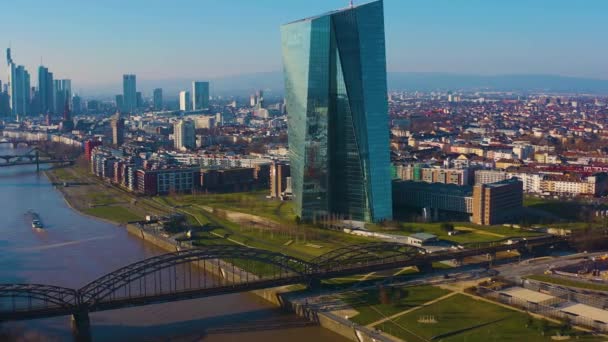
399	314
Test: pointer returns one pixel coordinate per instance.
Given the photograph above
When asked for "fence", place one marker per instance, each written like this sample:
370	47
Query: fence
598	300
546	308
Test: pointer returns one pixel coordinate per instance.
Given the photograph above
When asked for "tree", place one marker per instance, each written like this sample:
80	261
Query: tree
447	226
529	321
565	327
543	326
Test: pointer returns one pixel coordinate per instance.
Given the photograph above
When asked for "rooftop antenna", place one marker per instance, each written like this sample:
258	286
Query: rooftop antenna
352	4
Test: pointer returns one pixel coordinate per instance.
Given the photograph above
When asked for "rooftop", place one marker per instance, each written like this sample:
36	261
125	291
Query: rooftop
348	8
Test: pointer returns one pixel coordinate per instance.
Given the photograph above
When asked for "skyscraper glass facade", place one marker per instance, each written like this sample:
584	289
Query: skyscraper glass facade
200	95
335	78
129	93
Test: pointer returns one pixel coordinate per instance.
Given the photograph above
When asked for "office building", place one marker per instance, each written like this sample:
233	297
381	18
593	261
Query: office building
279	172
184	136
63	94
200	95
46	90
184	101
129	93
158	99
118	130
139	100
335	77
18	87
76	104
497	203
120	102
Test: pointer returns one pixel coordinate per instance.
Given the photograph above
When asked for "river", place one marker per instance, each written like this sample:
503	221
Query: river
75	250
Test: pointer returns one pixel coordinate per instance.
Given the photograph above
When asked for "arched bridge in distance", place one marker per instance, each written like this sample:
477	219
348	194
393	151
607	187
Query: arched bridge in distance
217	270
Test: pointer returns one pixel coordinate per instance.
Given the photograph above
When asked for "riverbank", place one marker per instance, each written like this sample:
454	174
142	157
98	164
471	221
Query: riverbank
90	194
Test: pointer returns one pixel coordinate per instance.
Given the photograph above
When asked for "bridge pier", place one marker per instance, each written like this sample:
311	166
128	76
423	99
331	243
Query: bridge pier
426	267
81	326
314	284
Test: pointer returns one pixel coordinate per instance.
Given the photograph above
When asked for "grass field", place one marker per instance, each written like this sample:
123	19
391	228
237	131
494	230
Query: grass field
100	198
63	175
371	310
471	234
567	282
300	241
116	214
254	203
487	322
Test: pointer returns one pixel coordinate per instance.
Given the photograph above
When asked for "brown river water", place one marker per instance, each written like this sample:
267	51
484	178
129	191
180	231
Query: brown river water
74	250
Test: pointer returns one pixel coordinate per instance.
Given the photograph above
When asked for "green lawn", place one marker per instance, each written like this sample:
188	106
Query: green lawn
488	322
465	237
254	203
116	214
62	175
567	282
371	310
299	241
101	198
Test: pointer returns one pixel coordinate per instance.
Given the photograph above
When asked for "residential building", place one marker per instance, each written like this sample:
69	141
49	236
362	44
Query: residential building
118	130
184	135
335	76
489	176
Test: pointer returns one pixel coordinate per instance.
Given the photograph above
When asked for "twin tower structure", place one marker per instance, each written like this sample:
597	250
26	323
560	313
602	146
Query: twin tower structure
336	91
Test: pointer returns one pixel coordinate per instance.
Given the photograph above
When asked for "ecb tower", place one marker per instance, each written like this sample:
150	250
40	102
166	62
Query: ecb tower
336	91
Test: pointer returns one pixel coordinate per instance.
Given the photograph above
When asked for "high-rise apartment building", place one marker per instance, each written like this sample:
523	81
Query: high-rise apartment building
158	99
184	136
118	130
200	95
129	93
184	101
335	77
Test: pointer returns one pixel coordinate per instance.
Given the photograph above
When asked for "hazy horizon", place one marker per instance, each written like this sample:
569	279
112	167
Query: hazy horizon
95	43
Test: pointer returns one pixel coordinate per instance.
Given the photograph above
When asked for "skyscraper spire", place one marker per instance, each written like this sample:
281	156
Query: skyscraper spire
352	4
9	59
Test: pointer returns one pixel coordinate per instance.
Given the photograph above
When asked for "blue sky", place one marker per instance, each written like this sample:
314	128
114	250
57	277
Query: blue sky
97	41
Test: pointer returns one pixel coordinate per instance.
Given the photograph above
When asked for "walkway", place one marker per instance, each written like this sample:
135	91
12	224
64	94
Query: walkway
399	314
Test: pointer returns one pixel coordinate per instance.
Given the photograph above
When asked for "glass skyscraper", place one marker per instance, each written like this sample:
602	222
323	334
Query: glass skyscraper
129	93
336	90
200	95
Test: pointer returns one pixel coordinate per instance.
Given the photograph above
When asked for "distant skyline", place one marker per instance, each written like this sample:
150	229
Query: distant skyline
95	43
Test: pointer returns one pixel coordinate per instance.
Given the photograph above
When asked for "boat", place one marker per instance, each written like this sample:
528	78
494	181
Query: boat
36	222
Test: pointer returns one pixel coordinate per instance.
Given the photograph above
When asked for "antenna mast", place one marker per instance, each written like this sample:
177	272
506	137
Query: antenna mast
352	4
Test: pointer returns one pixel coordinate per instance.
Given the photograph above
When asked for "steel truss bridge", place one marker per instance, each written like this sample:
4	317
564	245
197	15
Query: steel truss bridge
34	156
217	270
